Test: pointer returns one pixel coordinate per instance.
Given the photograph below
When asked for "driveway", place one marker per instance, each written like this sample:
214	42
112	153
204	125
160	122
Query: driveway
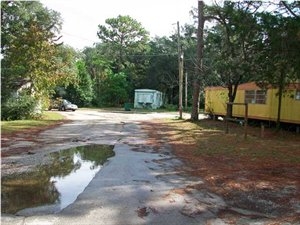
139	185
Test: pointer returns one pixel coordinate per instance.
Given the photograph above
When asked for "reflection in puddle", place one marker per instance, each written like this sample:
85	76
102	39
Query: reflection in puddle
58	183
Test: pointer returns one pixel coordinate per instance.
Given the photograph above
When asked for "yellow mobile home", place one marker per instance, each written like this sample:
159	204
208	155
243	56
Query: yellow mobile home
262	104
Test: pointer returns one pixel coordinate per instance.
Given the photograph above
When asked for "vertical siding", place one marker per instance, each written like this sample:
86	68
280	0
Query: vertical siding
216	98
215	101
290	108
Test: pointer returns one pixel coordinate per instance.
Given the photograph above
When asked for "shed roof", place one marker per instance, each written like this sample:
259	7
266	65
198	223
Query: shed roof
253	86
145	90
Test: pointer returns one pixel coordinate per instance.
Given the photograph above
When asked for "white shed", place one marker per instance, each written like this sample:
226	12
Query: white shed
147	98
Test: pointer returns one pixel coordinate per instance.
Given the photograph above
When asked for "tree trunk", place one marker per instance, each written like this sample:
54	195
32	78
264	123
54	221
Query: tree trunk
280	93
195	107
198	70
229	106
279	107
231	98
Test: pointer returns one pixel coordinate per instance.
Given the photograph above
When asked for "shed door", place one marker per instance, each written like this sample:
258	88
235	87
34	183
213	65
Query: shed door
145	98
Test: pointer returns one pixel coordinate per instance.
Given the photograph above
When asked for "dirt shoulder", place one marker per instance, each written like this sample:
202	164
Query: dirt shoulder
26	135
257	177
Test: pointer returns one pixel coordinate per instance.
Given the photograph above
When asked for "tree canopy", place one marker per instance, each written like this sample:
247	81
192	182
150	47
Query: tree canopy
251	41
246	41
31	49
32	53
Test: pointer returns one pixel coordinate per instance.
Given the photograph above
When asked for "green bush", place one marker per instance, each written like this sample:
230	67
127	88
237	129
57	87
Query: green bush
19	108
169	107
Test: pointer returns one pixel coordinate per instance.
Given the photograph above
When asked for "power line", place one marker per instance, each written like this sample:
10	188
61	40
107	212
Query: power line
145	55
76	36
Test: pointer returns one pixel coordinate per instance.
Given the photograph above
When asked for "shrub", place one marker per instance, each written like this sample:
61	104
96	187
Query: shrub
19	108
169	107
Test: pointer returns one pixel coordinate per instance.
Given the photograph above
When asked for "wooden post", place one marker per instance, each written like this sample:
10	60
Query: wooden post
180	83
180	70
262	130
226	119
246	120
186	90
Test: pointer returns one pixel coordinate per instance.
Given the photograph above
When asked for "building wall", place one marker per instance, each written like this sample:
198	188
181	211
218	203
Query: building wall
216	98
147	98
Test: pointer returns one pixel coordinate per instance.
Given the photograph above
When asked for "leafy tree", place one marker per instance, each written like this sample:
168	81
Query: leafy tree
289	9
231	45
114	89
110	88
162	72
31	50
278	56
81	92
125	42
124	35
99	67
251	44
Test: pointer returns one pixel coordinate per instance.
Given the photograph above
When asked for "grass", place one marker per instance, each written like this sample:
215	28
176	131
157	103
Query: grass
207	138
252	174
48	118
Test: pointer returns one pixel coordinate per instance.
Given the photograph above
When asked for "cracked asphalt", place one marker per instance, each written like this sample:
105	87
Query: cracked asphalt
137	186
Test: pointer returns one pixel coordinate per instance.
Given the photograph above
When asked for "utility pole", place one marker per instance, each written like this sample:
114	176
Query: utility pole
180	70
186	84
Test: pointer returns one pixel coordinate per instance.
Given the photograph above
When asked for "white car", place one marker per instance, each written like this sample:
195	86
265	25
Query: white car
66	105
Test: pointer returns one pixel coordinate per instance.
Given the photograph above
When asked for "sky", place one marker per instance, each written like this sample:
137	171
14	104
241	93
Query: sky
82	17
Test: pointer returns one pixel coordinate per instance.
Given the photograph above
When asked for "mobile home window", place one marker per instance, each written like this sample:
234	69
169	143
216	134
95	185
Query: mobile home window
297	96
255	96
250	96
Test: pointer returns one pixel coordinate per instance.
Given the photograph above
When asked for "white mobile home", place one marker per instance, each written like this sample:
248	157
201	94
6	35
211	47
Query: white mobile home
147	98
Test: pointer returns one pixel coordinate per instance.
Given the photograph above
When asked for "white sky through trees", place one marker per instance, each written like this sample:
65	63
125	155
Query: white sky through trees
82	17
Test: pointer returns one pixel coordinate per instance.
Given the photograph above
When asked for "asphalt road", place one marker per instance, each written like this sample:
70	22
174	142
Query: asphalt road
137	186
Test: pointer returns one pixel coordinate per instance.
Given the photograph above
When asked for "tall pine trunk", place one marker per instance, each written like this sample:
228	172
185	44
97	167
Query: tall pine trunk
198	77
280	93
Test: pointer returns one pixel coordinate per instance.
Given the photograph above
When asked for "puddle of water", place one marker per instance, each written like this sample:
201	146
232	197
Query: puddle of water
59	182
